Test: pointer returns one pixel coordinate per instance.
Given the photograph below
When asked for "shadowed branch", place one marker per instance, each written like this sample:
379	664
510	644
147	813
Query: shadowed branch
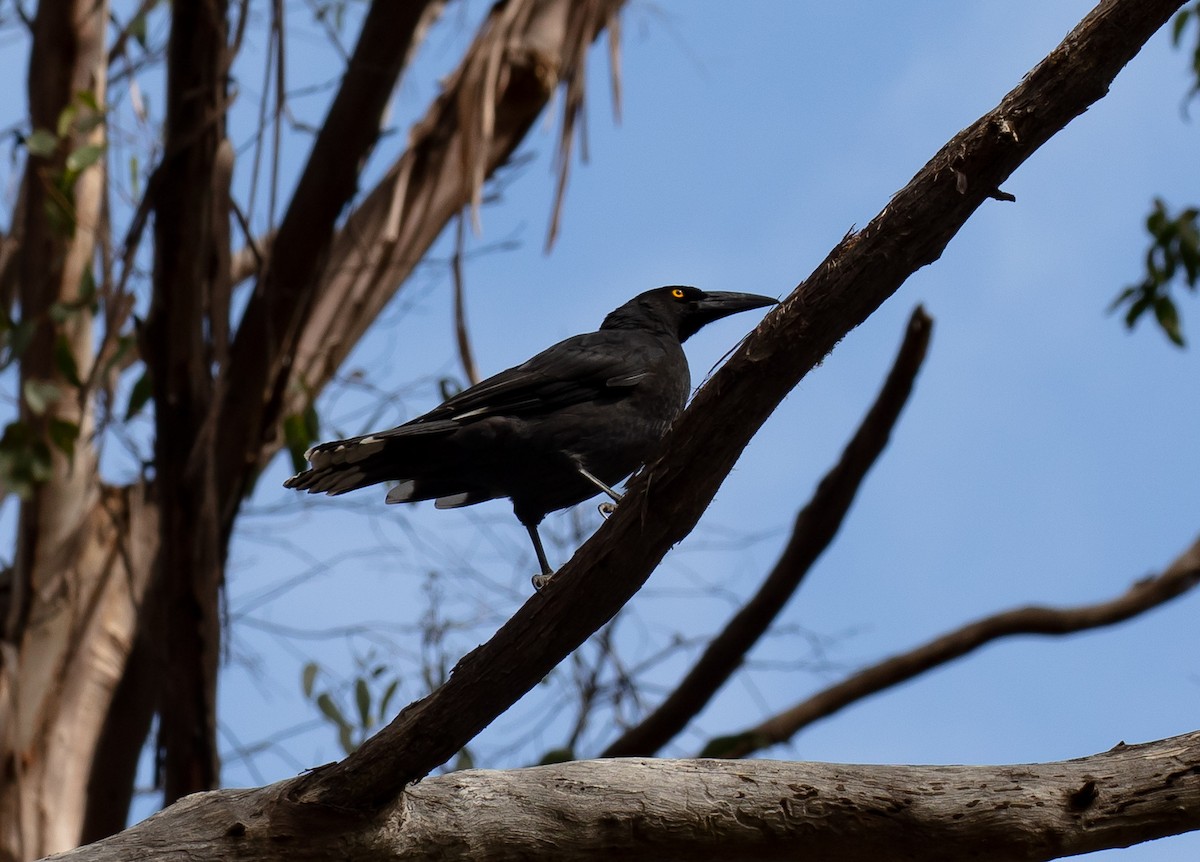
1181	576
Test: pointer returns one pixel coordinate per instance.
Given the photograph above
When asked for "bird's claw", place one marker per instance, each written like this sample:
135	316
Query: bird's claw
540	581
605	509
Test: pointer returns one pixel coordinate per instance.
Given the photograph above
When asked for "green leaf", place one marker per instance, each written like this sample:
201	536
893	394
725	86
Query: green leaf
139	395
346	739
388	694
330	709
448	387
84	157
66	119
63	435
557	755
362	698
308	678
88	122
1168	318
88	99
24	459
41	142
14	340
312	422
1178	26
40	394
64	361
1137	308
300	432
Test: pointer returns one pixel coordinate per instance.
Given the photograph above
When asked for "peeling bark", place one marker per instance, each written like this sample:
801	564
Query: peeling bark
59	680
523	52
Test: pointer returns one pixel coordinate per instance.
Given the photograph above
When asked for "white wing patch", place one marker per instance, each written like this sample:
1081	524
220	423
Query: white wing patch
626	380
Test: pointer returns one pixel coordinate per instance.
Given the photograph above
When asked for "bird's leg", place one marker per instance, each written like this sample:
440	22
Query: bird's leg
541	580
605	509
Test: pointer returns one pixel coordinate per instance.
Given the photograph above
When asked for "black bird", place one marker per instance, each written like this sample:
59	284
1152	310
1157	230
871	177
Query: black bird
562	427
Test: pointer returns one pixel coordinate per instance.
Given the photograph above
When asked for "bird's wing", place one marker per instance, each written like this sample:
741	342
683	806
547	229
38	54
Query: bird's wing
583	368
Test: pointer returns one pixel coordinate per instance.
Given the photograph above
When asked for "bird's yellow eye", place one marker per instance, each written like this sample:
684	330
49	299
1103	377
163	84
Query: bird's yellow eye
677	293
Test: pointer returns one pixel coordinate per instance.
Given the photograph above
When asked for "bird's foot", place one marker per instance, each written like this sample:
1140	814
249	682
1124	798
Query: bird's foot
605	509
540	581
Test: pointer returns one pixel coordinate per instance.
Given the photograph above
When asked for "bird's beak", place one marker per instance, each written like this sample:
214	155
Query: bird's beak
718	304
715	305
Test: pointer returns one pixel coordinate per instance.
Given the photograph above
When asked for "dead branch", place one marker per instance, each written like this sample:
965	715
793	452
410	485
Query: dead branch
1181	576
707	809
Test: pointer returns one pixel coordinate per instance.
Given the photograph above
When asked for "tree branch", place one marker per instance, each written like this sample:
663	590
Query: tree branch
816	525
265	343
707	809
667	498
522	53
1181	576
191	291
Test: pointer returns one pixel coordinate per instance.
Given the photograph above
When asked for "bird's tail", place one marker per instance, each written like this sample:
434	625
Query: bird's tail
346	465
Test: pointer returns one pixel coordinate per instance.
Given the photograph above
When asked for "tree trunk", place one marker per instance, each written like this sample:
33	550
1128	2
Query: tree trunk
70	616
191	290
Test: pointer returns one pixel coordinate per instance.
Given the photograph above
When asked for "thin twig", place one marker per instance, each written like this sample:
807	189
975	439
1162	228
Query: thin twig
465	354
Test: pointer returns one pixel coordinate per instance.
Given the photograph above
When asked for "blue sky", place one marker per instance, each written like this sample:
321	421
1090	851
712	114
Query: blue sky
1047	456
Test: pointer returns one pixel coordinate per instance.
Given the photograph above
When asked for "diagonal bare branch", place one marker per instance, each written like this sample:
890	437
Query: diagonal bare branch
270	326
816	525
666	499
1181	576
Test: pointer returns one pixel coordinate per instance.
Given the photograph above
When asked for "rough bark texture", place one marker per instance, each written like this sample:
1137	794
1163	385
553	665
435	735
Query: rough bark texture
707	809
667	498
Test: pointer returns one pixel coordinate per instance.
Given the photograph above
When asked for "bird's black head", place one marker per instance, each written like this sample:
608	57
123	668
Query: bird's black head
681	310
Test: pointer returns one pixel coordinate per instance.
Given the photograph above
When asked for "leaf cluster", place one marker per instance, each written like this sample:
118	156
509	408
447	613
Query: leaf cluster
1172	257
